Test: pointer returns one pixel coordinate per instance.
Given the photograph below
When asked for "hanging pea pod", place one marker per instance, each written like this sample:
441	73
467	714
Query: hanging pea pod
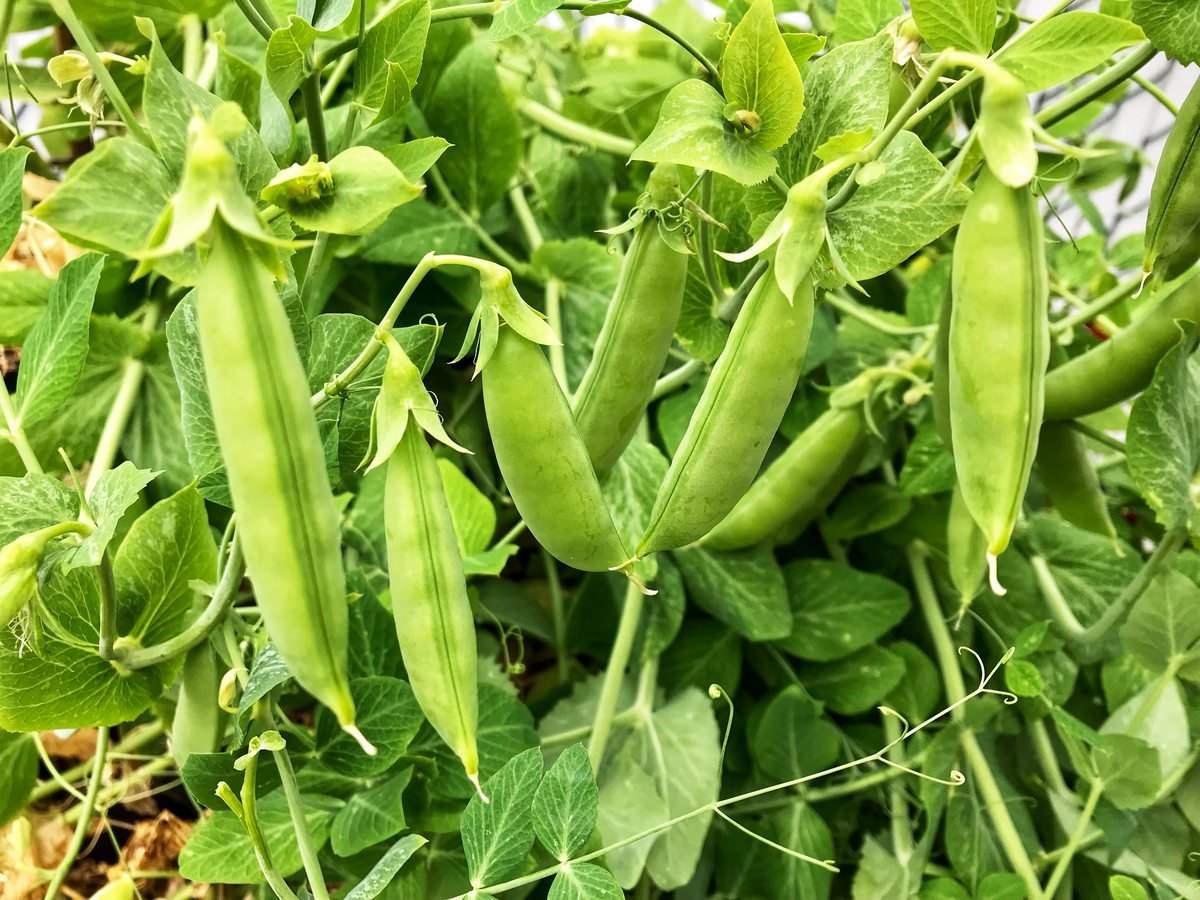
538	446
288	523
638	327
1125	363
738	414
999	345
430	604
199	722
1173	220
966	551
1006	128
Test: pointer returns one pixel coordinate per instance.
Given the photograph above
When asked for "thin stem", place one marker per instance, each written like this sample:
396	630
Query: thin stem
119	789
1100	305
214	613
867	317
515	265
573	131
85	818
1162	556
249	804
554	287
122	409
1099	436
252	16
994	802
1157	93
83	40
1077	835
1098	86
1056	604
312	273
56	777
902	833
310	91
193	46
558	617
108	609
614	675
135	740
65	126
677	378
16	434
295	802
708	260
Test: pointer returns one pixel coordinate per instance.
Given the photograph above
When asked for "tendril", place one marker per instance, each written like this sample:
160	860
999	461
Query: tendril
827	864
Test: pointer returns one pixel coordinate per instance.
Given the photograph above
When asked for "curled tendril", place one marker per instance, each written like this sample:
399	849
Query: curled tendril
956	777
716	692
827	864
904	725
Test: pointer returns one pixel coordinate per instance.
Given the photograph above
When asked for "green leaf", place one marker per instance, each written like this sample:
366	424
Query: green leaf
112	495
1174	27
219	853
566	804
327	15
971	842
705	652
692	130
1066	46
631	486
1130	769
1122	887
390	57
505	730
516	16
413	158
370	816
792	738
1164	625
856	683
1157	715
497	835
287	61
759	75
384	871
630	803
745	590
267	673
1002	886
413	230
470	109
388	715
585	881
57	346
366	187
473	514
1023	678
880	875
24	294
32	502
888	220
928	465
1163	444
859	19
19	762
867	509
962	24
12	172
837	610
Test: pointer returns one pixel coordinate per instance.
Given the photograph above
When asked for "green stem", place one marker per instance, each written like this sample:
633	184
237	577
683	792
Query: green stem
994	802
677	378
312	274
249	804
7	8
451	202
573	131
310	91
708	260
614	675
119	789
252	16
134	658
83	40
85	819
122	409
1157	93
558	617
108	609
16	434
135	740
295	802
1163	554
1101	304
1077	835
554	287
1056	604
902	833
867	317
1099	436
65	126
1098	86
193	46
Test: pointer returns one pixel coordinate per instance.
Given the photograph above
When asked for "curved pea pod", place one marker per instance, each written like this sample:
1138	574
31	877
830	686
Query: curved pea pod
999	348
797	486
1124	364
288	524
544	460
637	333
1173	219
1071	481
738	414
432	610
1006	129
198	723
966	551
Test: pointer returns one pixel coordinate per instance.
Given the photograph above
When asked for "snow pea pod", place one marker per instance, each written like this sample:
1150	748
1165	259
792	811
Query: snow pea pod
637	333
1173	219
288	524
799	484
738	414
1070	479
198	723
966	550
1124	364
543	458
999	348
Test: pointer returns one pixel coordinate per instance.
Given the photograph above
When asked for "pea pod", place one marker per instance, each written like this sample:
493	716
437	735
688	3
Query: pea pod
1173	219
966	551
799	484
1071	481
1124	364
198	723
288	523
637	333
543	458
434	625
19	561
738	415
999	347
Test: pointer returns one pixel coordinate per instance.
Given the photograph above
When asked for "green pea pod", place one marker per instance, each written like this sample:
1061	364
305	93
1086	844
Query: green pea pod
1124	364
199	723
1173	219
1006	127
19	561
941	374
738	414
288	523
543	458
798	485
430	604
966	551
637	333
1071	480
999	348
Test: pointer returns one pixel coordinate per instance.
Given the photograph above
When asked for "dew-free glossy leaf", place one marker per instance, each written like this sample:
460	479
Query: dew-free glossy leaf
497	835
585	881
12	171
1174	27
1066	46
759	75
384	871
388	715
962	24
566	803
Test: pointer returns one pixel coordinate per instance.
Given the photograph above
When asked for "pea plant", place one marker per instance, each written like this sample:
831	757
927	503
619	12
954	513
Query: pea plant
547	448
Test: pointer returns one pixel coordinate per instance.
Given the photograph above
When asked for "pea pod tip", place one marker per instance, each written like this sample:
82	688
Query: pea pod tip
473	777
367	747
993	578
